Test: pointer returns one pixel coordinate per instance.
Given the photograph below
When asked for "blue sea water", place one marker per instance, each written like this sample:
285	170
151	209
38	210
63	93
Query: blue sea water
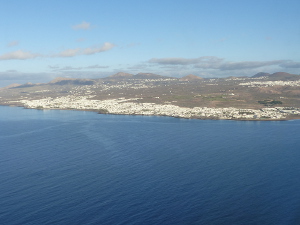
75	167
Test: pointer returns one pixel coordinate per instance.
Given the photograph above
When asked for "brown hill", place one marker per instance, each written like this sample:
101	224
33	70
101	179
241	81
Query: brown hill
72	81
191	77
28	84
278	76
121	75
13	85
283	75
261	74
59	79
147	76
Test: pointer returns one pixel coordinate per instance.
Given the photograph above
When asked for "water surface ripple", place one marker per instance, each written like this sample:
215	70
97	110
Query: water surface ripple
68	167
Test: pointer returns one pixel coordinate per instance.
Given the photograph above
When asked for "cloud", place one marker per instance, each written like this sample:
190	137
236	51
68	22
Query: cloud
54	67
68	52
96	67
9	77
106	46
204	61
11	71
290	64
248	64
139	67
69	68
212	62
174	61
18	55
12	43
22	55
85	51
82	26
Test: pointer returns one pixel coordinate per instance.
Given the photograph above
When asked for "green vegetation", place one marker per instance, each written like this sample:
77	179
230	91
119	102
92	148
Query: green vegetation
103	111
246	113
182	97
269	102
214	98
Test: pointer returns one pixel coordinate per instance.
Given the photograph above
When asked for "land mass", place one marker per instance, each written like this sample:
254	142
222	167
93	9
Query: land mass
263	96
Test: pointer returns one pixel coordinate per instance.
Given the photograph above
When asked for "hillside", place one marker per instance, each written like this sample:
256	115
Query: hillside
121	75
277	76
71	81
237	92
191	77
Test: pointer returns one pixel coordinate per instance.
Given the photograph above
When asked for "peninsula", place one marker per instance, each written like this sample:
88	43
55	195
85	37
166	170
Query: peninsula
260	97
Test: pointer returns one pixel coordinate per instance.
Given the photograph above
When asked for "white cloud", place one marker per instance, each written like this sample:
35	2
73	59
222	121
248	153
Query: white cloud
13	43
22	55
204	61
85	51
18	55
248	64
69	68
69	52
173	61
106	46
82	26
290	64
212	62
96	67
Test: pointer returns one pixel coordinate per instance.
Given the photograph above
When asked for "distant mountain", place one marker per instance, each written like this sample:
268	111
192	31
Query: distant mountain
278	76
191	77
59	79
28	84
261	74
121	75
283	75
71	81
148	76
13	85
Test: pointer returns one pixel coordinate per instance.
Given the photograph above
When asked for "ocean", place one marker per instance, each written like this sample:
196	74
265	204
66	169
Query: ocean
76	167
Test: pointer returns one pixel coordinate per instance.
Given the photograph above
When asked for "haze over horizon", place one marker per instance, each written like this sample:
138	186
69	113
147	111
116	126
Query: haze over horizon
42	40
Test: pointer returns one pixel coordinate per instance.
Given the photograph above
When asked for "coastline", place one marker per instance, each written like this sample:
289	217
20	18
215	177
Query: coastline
136	113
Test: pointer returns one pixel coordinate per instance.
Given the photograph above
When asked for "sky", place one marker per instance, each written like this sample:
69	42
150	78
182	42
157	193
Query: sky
41	40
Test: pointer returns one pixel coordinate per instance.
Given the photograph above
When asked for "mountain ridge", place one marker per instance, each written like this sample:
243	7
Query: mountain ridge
123	75
191	77
277	75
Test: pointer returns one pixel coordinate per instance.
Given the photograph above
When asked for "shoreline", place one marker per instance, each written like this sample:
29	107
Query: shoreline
287	118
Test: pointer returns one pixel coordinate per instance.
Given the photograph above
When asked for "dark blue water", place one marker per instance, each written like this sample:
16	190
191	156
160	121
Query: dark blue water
68	167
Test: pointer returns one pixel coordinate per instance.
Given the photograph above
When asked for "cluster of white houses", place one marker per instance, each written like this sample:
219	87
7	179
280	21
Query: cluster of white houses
133	107
271	83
